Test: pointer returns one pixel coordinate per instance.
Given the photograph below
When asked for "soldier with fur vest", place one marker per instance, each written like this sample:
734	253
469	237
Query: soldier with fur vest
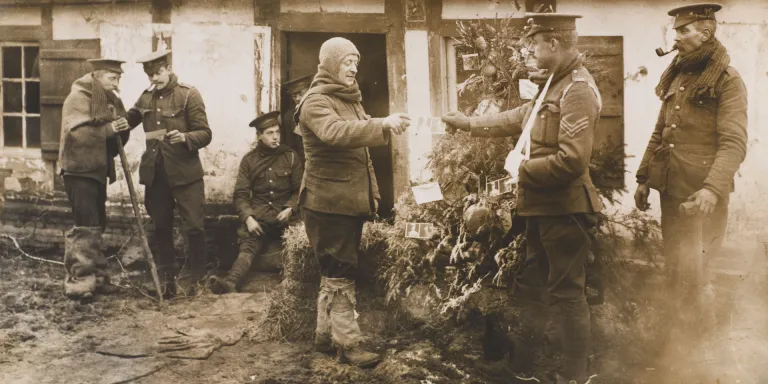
92	116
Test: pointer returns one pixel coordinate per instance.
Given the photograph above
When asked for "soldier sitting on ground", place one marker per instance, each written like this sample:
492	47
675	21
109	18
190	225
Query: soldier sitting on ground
266	195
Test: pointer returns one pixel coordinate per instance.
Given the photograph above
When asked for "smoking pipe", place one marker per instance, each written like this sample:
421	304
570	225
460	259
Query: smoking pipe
660	52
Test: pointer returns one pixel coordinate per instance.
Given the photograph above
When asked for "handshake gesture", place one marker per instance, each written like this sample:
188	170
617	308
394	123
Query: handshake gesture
397	123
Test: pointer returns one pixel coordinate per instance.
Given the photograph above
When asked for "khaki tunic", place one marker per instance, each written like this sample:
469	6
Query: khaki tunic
555	181
697	144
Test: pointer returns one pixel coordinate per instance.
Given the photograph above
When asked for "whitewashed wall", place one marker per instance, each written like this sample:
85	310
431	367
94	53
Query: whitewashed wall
345	6
213	50
645	25
21	16
481	9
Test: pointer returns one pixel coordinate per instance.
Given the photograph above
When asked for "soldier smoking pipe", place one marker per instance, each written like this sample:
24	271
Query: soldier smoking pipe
660	52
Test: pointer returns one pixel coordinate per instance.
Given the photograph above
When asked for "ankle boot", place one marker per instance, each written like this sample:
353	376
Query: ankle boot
323	329
345	332
231	282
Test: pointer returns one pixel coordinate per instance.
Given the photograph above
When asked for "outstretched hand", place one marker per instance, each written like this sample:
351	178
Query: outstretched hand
456	121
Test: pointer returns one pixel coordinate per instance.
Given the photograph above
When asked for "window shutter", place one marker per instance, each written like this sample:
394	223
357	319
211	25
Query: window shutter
608	53
61	63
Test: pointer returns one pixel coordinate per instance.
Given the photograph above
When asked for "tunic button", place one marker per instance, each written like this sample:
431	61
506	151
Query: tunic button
158	123
671	145
682	88
542	116
271	192
158	109
575	71
161	97
674	126
677	107
270	203
270	169
270	181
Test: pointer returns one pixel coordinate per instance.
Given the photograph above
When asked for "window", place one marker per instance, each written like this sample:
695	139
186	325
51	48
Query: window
455	74
20	91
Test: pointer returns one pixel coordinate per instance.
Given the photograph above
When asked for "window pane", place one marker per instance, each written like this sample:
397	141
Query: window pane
33	132
31	63
12	62
11	96
467	100
12	131
33	96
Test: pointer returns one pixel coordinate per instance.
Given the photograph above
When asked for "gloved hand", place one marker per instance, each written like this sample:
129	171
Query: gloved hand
455	121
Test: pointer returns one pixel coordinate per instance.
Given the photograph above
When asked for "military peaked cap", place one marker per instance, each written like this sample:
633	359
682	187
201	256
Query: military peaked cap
155	60
269	119
107	64
549	22
689	13
296	85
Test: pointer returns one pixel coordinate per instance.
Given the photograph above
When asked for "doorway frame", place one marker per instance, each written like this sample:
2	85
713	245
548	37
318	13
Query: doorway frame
391	25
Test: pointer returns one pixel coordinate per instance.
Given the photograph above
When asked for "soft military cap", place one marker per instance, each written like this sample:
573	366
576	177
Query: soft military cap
107	64
296	85
549	22
689	13
155	60
269	119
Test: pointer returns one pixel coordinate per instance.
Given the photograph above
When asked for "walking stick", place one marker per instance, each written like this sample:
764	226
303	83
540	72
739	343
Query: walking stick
137	216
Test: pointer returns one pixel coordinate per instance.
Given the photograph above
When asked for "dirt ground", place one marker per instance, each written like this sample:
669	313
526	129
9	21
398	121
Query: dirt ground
47	338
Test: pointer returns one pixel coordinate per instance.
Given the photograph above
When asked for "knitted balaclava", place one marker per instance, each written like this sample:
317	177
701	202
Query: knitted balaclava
333	51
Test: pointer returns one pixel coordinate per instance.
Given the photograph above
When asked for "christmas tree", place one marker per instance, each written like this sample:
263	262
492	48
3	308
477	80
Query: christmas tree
477	243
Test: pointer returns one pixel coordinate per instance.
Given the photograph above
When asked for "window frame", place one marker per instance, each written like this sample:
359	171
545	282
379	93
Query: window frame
24	150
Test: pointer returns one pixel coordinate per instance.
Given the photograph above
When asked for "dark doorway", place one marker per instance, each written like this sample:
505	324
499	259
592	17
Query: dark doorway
300	58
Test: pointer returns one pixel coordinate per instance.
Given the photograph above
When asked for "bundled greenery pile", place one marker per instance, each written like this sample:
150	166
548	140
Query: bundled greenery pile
291	310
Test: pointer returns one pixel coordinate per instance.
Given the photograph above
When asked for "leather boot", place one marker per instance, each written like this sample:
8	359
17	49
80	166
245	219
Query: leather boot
194	269
323	329
345	332
231	282
575	335
83	262
164	255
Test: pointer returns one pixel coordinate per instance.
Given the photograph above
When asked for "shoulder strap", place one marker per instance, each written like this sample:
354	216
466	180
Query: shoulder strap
576	77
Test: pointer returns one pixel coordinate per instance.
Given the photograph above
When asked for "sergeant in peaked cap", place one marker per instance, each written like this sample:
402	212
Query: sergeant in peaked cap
266	197
558	200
